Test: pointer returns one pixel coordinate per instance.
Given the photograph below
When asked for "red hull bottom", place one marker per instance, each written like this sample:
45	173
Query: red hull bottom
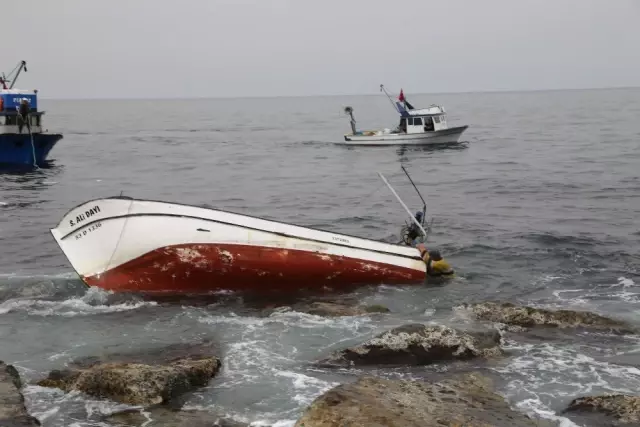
202	269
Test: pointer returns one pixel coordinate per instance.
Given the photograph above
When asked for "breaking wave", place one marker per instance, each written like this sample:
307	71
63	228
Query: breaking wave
94	301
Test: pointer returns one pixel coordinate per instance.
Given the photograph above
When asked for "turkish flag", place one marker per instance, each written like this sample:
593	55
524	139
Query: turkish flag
401	97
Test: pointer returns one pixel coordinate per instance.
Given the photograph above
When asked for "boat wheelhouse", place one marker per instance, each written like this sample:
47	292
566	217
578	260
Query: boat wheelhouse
23	141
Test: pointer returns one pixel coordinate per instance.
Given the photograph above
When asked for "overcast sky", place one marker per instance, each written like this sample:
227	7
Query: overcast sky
221	48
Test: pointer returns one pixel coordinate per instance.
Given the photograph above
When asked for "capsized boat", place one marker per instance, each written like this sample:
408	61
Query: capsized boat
423	126
23	141
132	245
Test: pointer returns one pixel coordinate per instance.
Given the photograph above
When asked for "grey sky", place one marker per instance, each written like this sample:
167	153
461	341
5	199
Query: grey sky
187	48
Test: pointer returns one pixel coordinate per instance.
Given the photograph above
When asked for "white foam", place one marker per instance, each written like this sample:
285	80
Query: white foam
536	407
42	416
93	302
62	275
279	423
540	374
626	282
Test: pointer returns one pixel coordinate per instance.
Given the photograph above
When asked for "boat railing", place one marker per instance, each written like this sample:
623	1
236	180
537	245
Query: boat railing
9	121
6	113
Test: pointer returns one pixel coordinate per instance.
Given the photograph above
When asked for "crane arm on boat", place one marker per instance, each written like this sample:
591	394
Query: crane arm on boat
9	79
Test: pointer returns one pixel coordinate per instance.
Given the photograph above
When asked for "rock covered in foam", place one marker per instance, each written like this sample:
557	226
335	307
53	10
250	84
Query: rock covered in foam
377	402
523	316
417	344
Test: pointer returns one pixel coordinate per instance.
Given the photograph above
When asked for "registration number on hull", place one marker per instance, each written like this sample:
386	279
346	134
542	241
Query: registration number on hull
88	230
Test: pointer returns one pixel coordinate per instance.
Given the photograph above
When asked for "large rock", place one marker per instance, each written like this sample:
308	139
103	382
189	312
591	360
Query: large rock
135	383
623	408
417	344
13	413
377	402
143	378
524	316
165	417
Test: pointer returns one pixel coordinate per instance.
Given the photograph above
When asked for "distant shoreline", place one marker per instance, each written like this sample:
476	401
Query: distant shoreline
506	91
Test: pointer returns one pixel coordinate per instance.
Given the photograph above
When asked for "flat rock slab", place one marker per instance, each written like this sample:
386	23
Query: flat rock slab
13	413
162	354
527	317
157	417
376	402
417	344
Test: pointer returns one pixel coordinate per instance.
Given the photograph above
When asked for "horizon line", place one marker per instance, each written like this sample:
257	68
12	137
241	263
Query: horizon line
491	91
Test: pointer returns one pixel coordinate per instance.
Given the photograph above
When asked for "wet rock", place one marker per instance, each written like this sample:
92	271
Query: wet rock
623	408
13	413
332	309
377	402
142	378
417	344
138	384
151	356
523	316
59	379
164	417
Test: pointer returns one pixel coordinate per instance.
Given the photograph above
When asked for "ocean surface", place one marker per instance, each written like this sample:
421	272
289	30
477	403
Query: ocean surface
538	206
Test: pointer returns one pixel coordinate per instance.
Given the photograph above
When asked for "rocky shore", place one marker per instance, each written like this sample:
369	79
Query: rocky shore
158	379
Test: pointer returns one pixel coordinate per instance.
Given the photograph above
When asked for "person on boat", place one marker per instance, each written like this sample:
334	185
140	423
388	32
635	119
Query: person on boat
428	124
413	232
23	114
436	265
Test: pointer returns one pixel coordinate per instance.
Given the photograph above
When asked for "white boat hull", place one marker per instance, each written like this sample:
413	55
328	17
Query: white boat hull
130	245
445	136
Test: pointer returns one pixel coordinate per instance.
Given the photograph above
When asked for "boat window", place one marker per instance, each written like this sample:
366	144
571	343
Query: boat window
436	119
417	121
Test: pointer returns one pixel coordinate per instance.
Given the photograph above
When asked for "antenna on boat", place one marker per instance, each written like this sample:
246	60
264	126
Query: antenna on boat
403	205
382	89
424	204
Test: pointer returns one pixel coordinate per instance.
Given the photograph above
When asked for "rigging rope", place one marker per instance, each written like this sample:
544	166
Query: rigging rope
33	145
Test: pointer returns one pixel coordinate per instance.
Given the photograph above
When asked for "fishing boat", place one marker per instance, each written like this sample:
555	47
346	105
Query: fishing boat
23	141
423	126
132	245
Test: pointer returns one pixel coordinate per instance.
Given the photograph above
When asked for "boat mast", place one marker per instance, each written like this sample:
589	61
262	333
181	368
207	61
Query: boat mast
415	221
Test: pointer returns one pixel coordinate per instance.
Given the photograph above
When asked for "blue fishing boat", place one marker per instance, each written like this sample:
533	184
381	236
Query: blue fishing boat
23	141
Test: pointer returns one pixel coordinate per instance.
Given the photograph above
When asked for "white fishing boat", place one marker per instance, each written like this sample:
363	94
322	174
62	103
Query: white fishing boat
132	245
424	126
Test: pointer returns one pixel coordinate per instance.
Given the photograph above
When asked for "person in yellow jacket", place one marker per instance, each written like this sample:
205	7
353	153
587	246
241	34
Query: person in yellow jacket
436	265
